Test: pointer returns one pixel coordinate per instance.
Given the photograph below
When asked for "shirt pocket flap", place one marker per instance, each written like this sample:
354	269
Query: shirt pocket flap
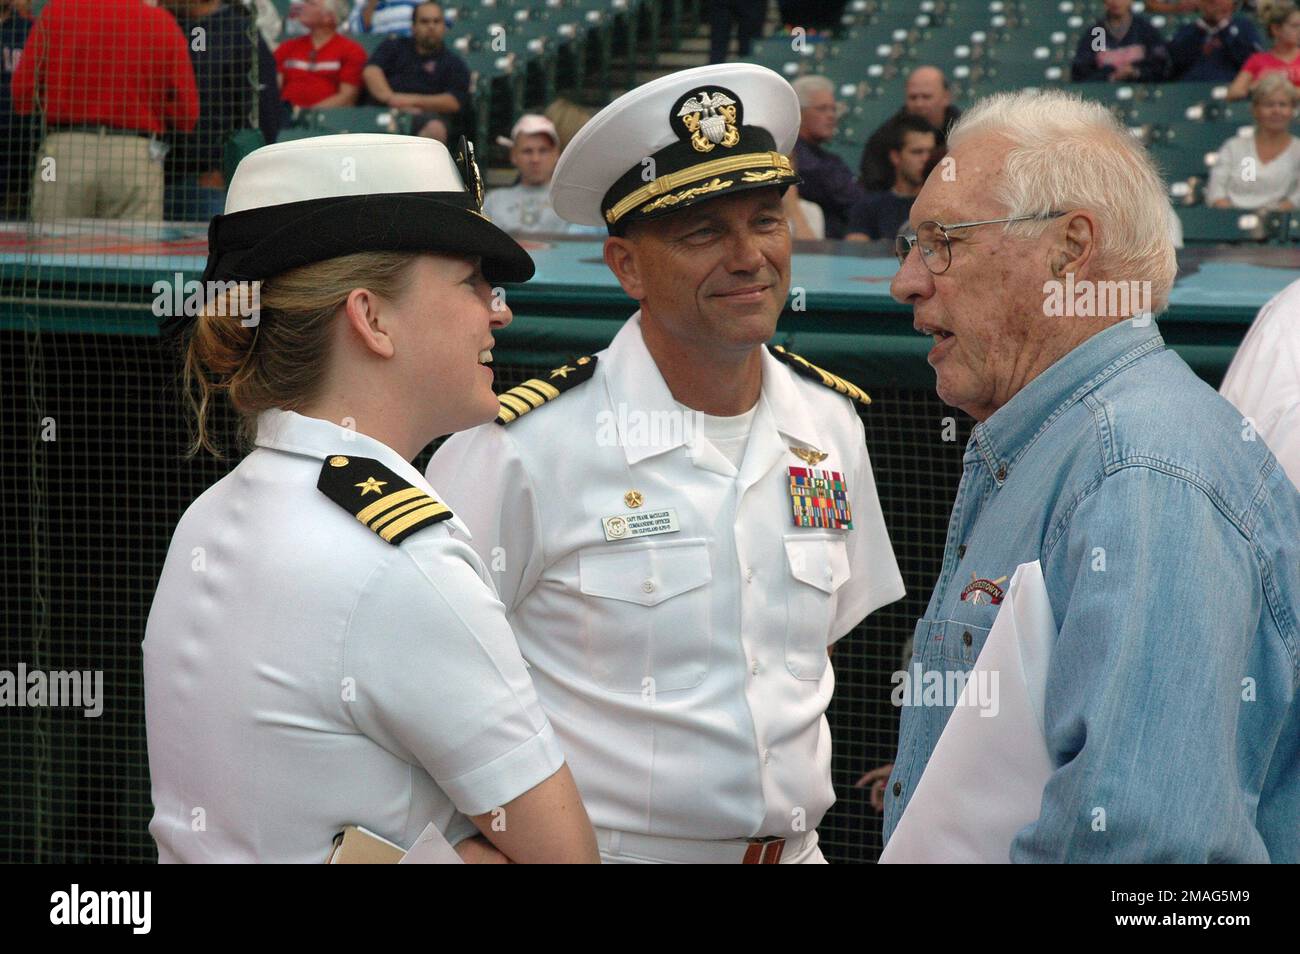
647	575
820	562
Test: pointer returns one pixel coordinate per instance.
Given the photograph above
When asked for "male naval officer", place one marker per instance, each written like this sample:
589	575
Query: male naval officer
681	525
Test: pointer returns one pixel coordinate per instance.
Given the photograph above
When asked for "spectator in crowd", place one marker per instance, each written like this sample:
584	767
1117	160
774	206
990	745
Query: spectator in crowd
525	207
419	74
15	130
1261	170
323	69
1282	22
110	77
878	215
393	17
1215	47
1263	381
1120	48
1097	448
223	58
747	15
927	95
827	180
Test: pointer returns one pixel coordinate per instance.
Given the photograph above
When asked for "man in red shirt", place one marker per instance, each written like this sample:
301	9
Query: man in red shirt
322	69
109	77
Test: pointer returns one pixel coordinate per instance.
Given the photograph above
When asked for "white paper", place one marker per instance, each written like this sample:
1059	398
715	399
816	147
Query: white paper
985	778
431	849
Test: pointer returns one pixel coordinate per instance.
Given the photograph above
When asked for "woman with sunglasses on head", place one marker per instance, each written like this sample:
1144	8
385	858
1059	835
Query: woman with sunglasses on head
325	649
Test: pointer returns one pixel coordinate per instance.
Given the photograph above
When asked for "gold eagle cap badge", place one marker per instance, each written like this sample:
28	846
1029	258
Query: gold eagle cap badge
708	118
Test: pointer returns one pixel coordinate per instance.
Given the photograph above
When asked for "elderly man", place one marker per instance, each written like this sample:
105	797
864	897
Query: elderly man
827	180
323	69
683	524
1169	544
926	95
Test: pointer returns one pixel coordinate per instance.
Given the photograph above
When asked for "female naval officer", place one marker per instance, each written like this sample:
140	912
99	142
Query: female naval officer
324	648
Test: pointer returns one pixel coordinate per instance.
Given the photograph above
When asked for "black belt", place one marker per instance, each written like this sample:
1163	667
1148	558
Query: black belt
96	128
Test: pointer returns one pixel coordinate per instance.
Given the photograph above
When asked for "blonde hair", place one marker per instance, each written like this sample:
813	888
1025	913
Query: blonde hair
1270	83
1070	154
568	117
278	360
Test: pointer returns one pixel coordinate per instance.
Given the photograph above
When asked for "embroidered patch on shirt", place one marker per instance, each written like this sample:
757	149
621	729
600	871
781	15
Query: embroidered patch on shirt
984	591
820	498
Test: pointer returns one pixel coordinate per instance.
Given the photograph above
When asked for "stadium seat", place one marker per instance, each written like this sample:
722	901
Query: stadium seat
1203	225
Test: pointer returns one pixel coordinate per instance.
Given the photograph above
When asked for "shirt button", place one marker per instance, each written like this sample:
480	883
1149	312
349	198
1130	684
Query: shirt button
961	551
648	586
754	668
767	756
749	574
898	789
966	638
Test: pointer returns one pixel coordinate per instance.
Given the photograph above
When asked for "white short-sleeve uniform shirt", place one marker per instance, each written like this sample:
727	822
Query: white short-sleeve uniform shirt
1263	381
685	673
302	674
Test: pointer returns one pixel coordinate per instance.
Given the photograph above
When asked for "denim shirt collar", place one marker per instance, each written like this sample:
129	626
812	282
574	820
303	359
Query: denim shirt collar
1001	439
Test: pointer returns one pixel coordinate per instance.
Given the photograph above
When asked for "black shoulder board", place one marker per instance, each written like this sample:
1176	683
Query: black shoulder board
376	496
820	375
535	392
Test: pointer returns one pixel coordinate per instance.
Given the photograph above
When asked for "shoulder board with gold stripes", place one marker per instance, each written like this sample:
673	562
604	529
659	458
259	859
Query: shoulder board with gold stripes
535	392
384	502
820	375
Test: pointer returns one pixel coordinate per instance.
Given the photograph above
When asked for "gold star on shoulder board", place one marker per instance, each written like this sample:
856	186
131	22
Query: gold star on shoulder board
371	484
809	456
562	372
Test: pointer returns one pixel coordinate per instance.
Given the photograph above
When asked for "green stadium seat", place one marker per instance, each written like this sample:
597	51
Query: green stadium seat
369	41
1203	225
353	119
1178	159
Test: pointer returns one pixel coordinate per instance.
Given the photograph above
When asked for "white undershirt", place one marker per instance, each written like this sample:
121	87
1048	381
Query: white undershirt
730	435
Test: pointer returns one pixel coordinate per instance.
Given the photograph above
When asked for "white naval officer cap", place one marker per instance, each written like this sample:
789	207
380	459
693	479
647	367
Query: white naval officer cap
679	140
307	200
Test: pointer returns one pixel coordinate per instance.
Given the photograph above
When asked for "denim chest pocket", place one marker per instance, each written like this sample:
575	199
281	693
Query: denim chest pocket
949	643
646	625
819	566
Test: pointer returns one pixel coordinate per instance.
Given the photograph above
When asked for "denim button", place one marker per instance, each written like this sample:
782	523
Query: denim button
898	789
961	551
966	638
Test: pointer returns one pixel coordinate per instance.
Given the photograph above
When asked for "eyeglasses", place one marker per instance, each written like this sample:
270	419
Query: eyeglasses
936	248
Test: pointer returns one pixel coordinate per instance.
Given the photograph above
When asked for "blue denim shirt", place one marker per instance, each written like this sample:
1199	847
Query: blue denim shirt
1170	545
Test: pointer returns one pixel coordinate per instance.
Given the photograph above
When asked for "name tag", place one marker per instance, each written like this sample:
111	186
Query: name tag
648	524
